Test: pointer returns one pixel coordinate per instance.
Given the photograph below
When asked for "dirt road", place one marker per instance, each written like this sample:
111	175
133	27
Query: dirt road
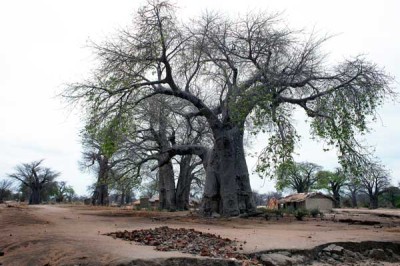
73	235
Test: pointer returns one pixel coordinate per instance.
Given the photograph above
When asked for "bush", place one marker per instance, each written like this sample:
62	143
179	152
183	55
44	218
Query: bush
315	212
268	213
300	213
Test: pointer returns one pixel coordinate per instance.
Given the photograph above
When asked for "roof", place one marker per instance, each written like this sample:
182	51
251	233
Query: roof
154	199
302	197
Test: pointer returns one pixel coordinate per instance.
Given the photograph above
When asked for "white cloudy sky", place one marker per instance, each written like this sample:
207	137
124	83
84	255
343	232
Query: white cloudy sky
42	47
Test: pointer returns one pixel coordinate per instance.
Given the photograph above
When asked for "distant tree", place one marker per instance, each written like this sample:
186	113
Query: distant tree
261	199
101	145
64	192
353	187
149	188
122	187
35	177
300	177
392	196
5	189
374	182
333	182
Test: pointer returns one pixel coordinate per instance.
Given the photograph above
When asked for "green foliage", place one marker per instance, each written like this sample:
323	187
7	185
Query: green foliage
300	213
315	213
300	177
109	134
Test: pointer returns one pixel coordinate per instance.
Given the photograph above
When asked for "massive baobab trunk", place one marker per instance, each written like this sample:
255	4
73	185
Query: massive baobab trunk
227	189
34	198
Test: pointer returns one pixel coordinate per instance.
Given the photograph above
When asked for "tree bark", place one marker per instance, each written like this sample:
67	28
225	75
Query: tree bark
34	198
166	182
123	197
100	195
373	201
184	181
336	197
227	189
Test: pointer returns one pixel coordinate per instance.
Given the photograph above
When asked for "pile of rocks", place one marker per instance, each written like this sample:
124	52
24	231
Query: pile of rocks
185	240
337	255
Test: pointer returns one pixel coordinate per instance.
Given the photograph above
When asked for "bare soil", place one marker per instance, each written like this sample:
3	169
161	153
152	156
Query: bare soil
76	235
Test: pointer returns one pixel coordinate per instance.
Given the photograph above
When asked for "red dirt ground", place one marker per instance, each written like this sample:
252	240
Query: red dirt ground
60	234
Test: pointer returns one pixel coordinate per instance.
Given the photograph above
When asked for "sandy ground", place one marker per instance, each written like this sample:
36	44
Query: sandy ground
59	235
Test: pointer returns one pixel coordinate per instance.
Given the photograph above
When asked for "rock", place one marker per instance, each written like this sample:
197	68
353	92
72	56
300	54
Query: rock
335	256
377	254
298	259
275	259
332	248
285	253
330	261
349	254
1	253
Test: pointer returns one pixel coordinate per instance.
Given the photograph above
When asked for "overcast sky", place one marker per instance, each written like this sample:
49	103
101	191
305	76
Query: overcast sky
42	48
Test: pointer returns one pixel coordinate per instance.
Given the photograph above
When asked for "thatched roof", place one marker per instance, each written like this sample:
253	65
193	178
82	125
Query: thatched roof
299	197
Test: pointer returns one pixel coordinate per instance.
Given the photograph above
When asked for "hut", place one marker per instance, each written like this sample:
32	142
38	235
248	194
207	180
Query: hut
309	201
154	202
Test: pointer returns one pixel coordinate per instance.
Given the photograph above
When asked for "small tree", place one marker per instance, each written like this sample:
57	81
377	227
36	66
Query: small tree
63	191
392	196
35	177
374	182
353	186
333	182
5	189
300	177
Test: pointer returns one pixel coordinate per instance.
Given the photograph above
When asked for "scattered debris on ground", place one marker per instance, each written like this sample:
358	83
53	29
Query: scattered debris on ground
187	241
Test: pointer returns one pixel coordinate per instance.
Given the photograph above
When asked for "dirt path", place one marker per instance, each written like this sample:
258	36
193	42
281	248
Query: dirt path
54	235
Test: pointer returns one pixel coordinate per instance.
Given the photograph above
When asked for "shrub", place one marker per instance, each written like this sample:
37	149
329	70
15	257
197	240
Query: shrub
315	212
300	213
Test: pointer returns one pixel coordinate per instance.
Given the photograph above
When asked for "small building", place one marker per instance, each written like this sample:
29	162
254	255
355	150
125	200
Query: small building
154	202
309	201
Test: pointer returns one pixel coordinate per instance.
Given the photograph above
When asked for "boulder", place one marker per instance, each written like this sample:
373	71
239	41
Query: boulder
282	258
335	249
275	259
377	254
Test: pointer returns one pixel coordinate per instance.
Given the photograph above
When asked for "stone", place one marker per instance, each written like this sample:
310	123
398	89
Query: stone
393	255
349	254
335	256
275	259
298	259
285	253
332	248
377	254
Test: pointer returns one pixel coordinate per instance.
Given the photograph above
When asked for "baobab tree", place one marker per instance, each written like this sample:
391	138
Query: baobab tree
235	72
300	177
374	182
333	182
5	189
35	177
